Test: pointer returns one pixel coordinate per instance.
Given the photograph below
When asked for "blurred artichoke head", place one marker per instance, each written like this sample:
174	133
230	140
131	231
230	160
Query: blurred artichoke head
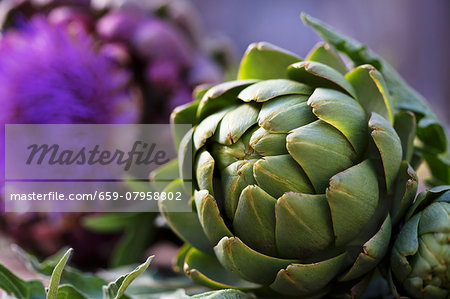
51	76
421	252
299	174
158	43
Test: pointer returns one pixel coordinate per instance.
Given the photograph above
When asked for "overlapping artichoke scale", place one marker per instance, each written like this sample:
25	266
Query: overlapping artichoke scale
324	53
371	90
366	85
317	74
184	224
389	146
206	270
265	61
405	192
220	96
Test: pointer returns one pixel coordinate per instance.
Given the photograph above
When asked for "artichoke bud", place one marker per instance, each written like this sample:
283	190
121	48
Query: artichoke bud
305	160
421	253
298	170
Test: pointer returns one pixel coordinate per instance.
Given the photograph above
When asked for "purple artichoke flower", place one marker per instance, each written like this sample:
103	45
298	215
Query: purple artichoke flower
52	75
158	42
84	63
49	76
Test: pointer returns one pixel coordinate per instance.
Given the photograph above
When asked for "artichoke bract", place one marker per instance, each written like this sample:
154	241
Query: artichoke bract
421	253
300	171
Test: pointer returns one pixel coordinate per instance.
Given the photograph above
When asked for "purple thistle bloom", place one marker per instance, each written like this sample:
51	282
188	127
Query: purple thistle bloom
51	76
78	63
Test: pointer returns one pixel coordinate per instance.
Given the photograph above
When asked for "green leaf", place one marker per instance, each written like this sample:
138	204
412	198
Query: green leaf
425	198
69	292
200	90
108	222
56	275
204	170
19	288
223	294
37	289
152	284
116	289
138	235
184	114
166	172
178	265
207	127
406	244
12	284
265	61
439	166
45	267
87	284
185	155
430	129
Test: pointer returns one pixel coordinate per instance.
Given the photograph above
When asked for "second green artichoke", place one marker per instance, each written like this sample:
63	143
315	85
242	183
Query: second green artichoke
421	253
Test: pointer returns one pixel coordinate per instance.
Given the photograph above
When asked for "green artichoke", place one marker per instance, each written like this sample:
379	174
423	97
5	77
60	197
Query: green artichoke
421	253
300	171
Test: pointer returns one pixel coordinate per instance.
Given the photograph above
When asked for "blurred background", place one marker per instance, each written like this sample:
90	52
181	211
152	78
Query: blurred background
413	35
164	51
